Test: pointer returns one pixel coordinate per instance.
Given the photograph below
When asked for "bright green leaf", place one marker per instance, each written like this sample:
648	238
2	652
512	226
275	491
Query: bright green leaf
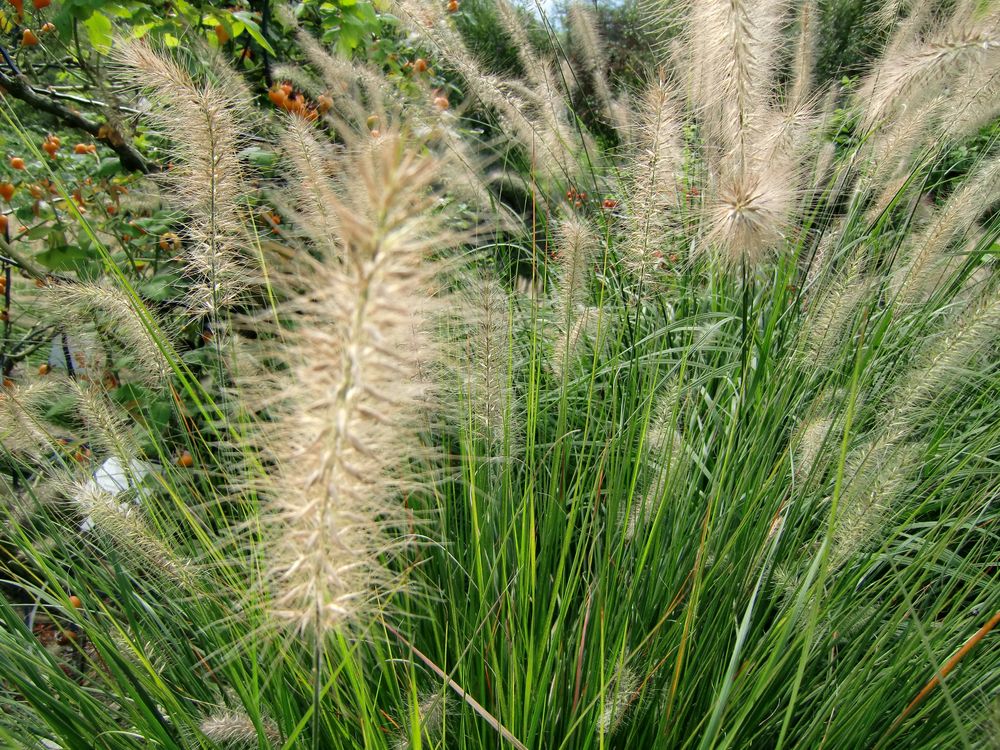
254	30
99	30
64	258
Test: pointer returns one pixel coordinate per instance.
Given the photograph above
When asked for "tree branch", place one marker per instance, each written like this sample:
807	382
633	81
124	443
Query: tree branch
18	86
265	15
76	98
14	257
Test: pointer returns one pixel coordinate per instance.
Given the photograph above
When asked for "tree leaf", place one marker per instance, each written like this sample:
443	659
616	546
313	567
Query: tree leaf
253	29
64	258
99	30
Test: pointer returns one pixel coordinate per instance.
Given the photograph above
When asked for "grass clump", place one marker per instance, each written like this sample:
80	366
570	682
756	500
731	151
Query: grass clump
701	453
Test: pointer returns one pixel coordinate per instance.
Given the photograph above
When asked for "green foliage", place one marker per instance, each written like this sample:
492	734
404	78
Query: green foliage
849	38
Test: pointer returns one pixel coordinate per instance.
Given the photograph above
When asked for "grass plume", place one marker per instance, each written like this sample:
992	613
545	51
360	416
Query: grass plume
342	421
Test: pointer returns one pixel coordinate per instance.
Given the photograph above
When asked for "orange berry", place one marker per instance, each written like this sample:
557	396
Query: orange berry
18	6
287	88
453	6
44	369
221	34
17	162
6	191
39	4
420	65
170	241
3	229
277	97
48	28
80	148
28	38
185	460
441	102
37	192
75	601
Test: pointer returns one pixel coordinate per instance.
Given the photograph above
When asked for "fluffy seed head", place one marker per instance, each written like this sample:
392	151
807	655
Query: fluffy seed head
808	444
108	427
343	413
943	364
236	730
205	123
876	476
650	189
566	345
533	114
432	709
805	51
928	261
749	215
830	316
488	366
617	700
729	64
134	327
583	29
576	247
664	452
917	66
22	424
119	521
